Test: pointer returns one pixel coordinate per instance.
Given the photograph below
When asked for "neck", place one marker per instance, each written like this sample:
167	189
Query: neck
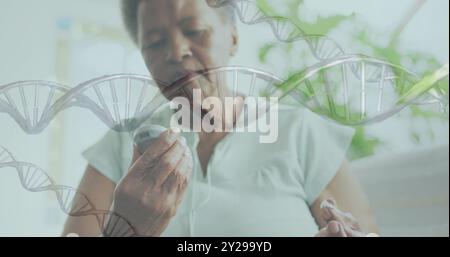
224	122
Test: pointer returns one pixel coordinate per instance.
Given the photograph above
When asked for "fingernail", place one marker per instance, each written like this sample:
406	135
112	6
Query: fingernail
173	135
342	230
331	201
334	228
326	204
327	214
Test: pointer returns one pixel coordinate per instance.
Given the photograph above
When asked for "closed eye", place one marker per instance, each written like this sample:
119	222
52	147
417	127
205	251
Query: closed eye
155	45
195	33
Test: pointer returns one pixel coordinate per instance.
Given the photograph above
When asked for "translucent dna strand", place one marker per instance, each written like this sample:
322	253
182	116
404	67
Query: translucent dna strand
118	100
122	102
115	99
71	201
330	88
235	82
322	47
382	89
430	89
29	102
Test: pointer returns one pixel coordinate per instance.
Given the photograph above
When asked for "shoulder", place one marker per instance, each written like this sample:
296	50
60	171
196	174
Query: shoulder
300	124
300	116
293	117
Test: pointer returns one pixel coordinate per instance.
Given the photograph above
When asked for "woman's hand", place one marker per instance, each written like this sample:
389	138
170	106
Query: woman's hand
345	189
149	196
339	224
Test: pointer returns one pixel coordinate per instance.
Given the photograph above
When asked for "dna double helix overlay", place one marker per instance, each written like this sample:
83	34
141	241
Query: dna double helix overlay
113	99
351	90
322	47
123	102
71	201
379	91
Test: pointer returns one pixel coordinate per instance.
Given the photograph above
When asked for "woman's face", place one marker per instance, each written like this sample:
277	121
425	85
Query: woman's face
181	37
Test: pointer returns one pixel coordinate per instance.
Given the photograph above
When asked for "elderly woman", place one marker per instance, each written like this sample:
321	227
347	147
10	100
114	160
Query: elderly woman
291	187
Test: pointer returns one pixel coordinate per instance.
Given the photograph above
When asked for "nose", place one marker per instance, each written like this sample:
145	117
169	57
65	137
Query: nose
179	49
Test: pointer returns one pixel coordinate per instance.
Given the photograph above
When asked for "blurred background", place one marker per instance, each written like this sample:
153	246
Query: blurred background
73	41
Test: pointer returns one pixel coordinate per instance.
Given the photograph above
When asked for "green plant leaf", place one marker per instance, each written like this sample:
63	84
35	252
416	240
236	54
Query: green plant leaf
362	145
424	85
264	51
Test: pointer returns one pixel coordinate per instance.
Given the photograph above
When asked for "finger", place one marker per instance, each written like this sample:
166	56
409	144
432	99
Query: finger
185	166
136	154
183	186
168	163
330	212
336	229
326	206
136	169
345	218
180	174
322	233
181	191
333	229
161	145
355	233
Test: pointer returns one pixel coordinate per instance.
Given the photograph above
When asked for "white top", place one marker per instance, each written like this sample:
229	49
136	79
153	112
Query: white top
251	189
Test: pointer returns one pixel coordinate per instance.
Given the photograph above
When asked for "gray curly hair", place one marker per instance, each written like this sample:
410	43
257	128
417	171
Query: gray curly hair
129	14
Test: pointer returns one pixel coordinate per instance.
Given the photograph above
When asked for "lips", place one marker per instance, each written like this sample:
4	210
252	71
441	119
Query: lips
186	75
183	78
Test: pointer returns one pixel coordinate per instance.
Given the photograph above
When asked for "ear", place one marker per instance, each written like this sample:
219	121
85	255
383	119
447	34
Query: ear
234	40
